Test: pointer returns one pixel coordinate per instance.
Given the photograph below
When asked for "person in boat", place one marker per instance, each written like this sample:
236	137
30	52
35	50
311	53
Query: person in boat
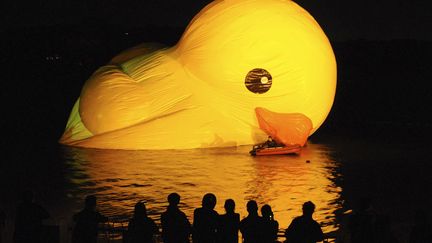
270	143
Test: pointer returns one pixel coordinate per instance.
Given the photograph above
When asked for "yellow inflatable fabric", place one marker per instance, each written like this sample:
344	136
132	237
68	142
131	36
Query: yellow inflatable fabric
243	70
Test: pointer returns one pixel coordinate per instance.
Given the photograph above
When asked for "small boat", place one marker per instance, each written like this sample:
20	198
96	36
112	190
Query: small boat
259	150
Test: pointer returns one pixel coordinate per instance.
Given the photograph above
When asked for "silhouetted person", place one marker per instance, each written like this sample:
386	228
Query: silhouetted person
175	225
205	221
270	226
304	229
228	226
422	230
251	227
383	232
362	223
141	228
28	221
87	222
2	224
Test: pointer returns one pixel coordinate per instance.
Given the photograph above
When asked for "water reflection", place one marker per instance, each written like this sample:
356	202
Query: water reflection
121	178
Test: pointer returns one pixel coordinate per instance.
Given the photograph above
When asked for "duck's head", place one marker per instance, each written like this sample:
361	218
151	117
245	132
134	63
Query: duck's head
244	64
271	56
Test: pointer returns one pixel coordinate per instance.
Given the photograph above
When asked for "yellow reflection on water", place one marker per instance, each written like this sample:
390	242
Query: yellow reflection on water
121	178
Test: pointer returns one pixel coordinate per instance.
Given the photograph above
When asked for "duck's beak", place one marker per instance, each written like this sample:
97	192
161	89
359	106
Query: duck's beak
286	128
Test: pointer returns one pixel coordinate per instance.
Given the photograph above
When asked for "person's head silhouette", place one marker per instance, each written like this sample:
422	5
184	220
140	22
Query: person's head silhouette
252	207
266	212
173	199
90	202
209	201
308	208
229	206
140	210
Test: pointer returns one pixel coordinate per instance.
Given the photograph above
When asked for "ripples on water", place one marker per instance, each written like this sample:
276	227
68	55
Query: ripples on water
121	178
393	171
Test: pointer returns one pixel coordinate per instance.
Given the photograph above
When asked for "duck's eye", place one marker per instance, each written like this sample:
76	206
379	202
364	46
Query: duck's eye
258	80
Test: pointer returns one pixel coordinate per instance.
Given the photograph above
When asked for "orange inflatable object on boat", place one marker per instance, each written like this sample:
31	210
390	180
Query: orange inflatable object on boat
243	70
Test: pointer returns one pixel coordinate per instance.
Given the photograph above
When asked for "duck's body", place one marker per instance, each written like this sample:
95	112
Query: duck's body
234	57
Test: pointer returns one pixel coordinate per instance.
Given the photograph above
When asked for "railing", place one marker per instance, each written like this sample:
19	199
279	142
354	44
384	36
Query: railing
115	232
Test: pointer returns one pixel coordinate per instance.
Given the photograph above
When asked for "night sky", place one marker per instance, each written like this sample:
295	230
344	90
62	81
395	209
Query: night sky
341	20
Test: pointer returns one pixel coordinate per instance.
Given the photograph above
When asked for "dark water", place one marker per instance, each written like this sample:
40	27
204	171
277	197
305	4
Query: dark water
339	172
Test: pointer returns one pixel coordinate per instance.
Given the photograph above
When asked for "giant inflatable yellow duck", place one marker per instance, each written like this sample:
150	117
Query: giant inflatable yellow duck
243	70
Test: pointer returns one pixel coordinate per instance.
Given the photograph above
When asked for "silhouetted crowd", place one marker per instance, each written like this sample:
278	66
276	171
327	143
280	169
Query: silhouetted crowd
208	226
364	225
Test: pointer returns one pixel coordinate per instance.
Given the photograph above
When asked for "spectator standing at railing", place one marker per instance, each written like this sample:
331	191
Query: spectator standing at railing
304	229
175	225
251	227
141	228
28	220
362	223
2	224
228	225
422	229
87	222
270	225
205	221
